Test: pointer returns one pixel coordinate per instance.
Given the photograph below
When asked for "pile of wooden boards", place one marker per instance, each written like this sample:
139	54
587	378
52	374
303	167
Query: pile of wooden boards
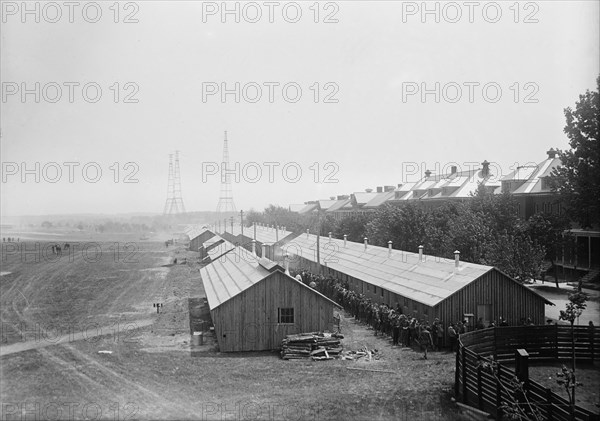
315	346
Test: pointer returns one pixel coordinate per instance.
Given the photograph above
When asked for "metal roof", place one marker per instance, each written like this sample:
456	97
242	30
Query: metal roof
428	282
193	231
264	235
230	275
216	246
237	271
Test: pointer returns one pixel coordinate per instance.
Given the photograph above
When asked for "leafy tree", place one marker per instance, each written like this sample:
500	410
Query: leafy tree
576	180
46	224
573	309
516	255
354	226
406	226
547	230
469	232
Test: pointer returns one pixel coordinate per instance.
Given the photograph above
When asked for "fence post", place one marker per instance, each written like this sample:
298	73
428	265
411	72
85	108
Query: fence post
591	327
464	376
549	411
479	391
522	366
495	347
457	372
499	393
556	340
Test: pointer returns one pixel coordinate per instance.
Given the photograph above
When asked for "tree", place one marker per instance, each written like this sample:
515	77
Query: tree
576	180
573	309
547	230
354	226
516	255
406	226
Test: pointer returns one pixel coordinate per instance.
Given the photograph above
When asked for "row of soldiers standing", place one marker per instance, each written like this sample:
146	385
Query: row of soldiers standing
404	329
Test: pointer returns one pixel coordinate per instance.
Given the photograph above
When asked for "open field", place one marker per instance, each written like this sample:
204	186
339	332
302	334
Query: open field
57	316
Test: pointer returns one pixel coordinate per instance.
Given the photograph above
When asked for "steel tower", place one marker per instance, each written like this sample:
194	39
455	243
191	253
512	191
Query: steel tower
174	203
225	199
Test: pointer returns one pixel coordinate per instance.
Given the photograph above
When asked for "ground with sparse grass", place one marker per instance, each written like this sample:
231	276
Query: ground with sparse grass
149	370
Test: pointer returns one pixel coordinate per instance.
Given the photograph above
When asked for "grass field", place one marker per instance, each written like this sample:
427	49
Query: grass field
57	315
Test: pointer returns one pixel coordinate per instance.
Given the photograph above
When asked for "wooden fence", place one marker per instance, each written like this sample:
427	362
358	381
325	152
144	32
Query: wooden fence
478	387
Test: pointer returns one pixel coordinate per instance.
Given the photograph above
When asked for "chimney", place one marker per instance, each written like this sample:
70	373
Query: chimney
379	189
427	173
345	238
485	171
331	197
551	153
254	247
286	261
453	169
307	232
264	251
390	248
276	233
420	253
366	242
329	235
456	258
388	188
368	190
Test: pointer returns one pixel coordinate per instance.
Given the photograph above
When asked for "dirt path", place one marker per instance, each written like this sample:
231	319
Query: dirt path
44	339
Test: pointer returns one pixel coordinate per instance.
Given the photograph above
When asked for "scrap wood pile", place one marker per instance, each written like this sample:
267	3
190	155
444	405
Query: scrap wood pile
315	346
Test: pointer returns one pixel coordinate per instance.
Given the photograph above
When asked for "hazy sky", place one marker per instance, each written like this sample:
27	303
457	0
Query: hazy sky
369	69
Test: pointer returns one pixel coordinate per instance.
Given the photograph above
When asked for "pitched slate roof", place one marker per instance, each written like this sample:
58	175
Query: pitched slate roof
326	204
339	204
534	183
379	199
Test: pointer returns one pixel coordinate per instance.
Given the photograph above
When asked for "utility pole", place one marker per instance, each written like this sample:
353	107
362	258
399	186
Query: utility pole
231	225
318	241
242	221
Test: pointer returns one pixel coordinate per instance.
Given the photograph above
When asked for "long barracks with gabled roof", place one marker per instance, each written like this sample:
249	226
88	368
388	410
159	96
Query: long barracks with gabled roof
424	286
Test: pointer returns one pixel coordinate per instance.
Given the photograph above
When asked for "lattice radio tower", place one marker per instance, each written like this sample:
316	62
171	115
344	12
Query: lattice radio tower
174	203
225	199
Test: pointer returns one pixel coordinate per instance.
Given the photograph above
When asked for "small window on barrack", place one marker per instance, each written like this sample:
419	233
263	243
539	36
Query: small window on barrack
285	315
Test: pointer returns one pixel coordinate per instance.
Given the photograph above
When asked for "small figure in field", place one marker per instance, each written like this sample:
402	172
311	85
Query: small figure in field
425	339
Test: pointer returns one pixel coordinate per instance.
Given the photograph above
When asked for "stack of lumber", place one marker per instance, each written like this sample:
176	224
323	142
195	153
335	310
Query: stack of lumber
315	346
